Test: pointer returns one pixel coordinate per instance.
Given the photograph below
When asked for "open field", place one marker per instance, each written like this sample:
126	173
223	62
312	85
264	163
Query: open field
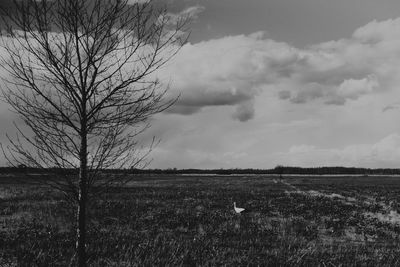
189	220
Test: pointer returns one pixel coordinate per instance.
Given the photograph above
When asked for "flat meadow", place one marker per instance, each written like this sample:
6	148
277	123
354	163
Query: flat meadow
173	220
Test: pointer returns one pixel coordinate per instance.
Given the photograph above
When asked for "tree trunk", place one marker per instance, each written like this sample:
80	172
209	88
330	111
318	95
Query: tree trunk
82	201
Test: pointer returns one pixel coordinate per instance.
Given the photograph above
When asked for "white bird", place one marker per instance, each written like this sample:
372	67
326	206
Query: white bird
237	210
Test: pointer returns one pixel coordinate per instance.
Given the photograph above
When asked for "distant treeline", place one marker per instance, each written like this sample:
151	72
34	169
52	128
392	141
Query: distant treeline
277	170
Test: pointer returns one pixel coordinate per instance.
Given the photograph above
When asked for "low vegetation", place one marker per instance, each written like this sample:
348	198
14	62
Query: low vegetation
189	220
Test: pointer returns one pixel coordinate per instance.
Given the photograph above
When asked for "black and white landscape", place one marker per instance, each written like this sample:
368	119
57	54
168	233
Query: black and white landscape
199	133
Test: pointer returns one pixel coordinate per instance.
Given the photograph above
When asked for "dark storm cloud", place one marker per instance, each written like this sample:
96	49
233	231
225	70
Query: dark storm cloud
221	98
183	110
191	103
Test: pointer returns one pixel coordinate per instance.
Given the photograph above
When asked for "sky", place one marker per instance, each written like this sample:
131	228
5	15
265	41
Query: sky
290	82
281	82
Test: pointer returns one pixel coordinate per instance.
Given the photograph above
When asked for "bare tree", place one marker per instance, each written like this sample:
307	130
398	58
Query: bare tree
81	75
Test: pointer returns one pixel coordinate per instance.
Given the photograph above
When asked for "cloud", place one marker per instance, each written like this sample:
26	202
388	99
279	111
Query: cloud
352	89
315	106
244	112
391	107
190	12
228	72
233	70
284	94
183	110
376	32
193	11
308	92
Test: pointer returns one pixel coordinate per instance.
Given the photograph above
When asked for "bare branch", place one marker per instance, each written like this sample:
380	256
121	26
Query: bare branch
82	77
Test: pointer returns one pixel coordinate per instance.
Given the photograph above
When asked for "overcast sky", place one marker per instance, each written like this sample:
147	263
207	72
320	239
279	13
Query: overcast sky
290	82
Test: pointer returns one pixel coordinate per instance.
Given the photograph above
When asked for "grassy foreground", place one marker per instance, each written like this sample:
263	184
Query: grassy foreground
189	220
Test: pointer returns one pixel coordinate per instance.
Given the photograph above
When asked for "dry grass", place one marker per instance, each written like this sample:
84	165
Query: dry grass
190	221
